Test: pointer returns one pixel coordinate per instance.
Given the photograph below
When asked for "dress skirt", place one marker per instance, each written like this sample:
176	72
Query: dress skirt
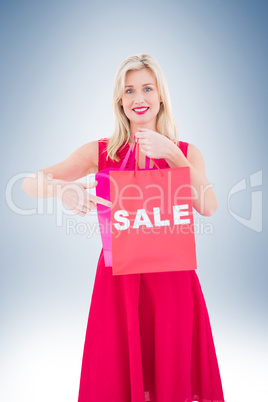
148	338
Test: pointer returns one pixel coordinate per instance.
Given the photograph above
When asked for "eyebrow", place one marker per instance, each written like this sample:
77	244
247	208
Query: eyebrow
144	85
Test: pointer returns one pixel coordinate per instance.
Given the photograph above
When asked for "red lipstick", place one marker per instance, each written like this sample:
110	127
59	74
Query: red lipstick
140	110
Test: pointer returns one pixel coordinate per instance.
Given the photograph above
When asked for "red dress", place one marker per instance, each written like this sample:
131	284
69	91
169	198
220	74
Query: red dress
148	336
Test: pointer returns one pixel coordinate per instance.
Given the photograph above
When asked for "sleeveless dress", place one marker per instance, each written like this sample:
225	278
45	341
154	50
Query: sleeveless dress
148	336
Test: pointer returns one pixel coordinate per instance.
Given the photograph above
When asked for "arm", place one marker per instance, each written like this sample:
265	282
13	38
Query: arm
204	198
80	163
59	180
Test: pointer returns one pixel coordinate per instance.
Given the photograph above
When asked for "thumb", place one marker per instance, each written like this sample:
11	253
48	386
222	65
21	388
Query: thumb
90	185
142	129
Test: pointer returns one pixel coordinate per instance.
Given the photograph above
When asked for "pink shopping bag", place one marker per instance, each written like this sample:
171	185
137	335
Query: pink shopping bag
104	212
152	220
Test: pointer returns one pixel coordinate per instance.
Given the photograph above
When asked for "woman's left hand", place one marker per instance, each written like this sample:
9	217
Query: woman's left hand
153	144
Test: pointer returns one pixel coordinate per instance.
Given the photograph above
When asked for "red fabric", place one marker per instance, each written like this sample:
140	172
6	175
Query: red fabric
148	336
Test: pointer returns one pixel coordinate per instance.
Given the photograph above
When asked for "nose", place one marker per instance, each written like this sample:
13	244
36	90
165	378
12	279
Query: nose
139	98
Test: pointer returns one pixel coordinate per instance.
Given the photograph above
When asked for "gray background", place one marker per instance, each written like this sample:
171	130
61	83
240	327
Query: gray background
58	64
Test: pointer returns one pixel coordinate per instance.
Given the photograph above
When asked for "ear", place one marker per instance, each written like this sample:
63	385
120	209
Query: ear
121	103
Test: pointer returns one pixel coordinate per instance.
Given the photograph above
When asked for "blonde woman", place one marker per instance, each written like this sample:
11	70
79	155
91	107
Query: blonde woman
148	336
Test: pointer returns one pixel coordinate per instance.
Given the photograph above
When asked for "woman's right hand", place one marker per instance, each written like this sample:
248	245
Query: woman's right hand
75	197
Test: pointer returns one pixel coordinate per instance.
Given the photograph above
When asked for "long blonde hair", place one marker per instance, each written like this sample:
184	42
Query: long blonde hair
165	123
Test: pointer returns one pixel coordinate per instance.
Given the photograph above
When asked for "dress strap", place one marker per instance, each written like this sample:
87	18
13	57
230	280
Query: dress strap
103	142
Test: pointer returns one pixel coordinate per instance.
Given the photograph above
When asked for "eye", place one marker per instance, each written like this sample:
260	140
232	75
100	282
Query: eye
148	89
129	91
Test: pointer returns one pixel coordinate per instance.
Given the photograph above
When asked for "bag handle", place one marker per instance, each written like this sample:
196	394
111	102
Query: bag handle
132	158
147	163
123	165
135	158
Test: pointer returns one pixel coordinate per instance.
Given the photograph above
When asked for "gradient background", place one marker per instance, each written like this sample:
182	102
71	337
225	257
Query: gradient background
59	60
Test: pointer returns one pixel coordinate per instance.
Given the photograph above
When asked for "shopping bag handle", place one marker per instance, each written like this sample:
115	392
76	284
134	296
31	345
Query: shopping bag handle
132	158
124	163
135	158
147	163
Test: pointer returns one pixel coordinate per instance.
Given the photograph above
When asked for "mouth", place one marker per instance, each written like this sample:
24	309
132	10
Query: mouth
140	110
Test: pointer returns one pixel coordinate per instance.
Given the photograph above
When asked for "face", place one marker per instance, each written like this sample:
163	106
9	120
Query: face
141	100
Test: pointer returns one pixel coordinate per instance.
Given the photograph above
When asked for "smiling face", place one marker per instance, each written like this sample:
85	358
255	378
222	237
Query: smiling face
141	100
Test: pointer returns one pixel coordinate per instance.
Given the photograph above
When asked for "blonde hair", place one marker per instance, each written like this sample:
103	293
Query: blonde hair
165	123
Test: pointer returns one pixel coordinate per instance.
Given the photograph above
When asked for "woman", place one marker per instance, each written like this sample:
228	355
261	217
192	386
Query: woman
148	336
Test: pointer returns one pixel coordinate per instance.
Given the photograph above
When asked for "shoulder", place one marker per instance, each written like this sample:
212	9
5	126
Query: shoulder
91	149
95	153
88	155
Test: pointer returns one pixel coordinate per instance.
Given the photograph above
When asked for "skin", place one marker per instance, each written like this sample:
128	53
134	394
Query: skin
59	180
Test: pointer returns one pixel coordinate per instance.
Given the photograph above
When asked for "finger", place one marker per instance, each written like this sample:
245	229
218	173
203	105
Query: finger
99	200
92	205
145	147
83	205
86	209
90	185
85	202
92	200
139	135
83	214
142	141
142	129
87	206
78	212
144	152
